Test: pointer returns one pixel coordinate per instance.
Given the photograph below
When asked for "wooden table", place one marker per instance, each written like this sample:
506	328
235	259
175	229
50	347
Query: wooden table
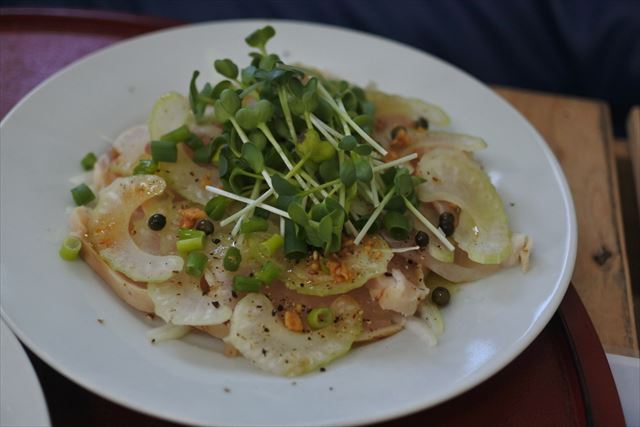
579	133
562	378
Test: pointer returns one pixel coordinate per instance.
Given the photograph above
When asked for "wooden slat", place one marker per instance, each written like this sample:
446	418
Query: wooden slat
633	127
579	133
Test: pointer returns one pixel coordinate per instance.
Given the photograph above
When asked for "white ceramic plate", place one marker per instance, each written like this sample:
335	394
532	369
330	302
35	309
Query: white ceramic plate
21	399
53	305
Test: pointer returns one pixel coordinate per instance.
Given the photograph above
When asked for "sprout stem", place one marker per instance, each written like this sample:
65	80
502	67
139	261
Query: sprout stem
254	194
344	116
438	233
396	162
325	131
243	136
373	217
282	95
254	203
319	123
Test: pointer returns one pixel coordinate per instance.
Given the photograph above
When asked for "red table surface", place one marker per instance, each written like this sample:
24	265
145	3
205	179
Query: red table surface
561	379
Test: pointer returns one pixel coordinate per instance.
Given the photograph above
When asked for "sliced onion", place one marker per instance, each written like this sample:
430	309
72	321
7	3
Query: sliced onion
387	104
429	325
366	261
422	140
168	113
181	301
108	230
167	332
130	146
264	340
188	178
483	229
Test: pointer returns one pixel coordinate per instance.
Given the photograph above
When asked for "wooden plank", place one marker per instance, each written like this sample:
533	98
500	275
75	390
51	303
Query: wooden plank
579	133
633	127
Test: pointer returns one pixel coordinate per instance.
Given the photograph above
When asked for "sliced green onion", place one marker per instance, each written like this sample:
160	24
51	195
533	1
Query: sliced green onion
254	225
216	207
272	244
145	167
232	259
319	318
194	142
269	272
164	151
177	135
70	248
88	161
295	246
397	225
82	194
190	240
189	245
246	284
196	261
190	233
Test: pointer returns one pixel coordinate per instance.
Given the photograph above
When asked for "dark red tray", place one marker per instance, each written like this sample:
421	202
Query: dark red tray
561	379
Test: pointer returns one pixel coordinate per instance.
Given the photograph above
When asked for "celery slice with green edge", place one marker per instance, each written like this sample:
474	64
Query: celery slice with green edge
169	112
483	228
412	107
265	341
358	265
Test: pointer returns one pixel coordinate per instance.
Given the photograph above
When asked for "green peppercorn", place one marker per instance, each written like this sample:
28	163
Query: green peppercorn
205	225
445	222
157	222
422	123
396	130
422	239
440	296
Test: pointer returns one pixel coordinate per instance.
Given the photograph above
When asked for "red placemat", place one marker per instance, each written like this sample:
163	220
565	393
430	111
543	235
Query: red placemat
562	378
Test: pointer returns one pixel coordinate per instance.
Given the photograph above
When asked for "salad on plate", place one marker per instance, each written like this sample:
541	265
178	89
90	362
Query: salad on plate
290	214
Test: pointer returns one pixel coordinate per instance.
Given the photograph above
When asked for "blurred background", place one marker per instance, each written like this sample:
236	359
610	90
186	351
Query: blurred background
588	48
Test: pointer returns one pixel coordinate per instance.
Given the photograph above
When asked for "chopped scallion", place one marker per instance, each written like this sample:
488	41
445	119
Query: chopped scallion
88	161
254	225
164	151
319	318
196	262
189	245
272	244
70	248
246	284
82	194
269	272
177	135
145	167
232	259
190	240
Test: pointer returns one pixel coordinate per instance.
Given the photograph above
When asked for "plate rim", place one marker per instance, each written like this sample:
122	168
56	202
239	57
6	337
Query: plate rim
498	362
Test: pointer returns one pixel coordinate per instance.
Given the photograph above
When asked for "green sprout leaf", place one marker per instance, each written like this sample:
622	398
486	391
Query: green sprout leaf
284	187
252	155
348	143
364	172
247	118
298	215
348	172
217	89
227	105
260	37
226	67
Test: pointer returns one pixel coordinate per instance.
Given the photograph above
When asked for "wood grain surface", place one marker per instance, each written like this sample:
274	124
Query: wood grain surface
633	127
579	133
